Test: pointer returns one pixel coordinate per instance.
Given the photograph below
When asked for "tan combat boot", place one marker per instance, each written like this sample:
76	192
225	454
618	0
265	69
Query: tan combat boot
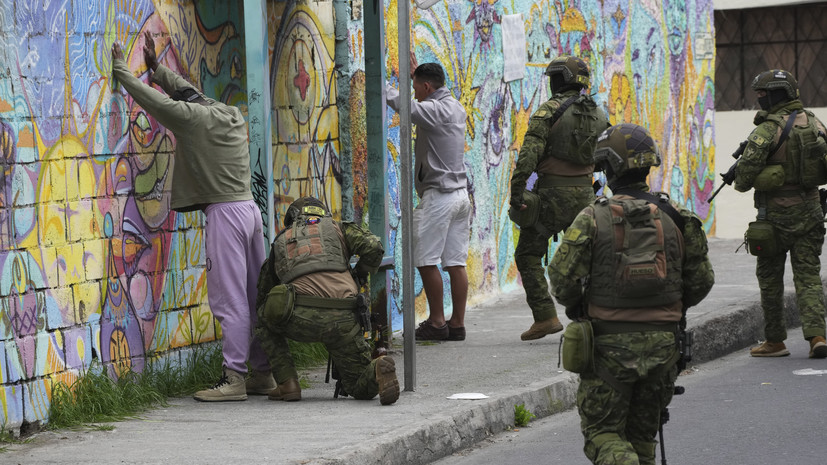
770	349
386	378
260	383
539	329
288	391
229	388
818	347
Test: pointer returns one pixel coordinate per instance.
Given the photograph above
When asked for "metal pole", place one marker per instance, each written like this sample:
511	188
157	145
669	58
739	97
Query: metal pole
259	112
406	196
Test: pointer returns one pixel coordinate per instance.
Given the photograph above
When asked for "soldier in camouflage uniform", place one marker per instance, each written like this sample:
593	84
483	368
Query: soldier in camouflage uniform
791	205
558	145
306	293
634	304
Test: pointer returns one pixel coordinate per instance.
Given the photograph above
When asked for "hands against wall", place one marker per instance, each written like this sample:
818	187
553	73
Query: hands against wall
150	58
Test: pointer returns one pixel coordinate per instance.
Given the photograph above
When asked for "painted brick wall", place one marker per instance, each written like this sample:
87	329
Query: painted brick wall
93	263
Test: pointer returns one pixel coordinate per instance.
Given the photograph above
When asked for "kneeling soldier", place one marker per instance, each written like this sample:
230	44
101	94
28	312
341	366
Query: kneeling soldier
306	293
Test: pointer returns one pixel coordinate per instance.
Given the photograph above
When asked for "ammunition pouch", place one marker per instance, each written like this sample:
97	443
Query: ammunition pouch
578	347
760	239
278	307
528	217
814	163
770	178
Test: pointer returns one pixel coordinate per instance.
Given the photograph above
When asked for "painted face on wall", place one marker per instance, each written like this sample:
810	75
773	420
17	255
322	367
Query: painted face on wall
484	17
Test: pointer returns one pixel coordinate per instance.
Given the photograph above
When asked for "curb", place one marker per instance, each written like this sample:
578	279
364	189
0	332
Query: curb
735	331
441	436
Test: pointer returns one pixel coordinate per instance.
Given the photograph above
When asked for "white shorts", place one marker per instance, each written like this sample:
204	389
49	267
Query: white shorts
441	228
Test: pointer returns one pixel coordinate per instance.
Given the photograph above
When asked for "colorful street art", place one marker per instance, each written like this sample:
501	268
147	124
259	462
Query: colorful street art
306	160
94	266
643	70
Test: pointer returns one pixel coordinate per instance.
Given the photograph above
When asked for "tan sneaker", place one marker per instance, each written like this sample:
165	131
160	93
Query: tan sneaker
540	329
229	388
260	383
386	378
770	349
818	347
288	391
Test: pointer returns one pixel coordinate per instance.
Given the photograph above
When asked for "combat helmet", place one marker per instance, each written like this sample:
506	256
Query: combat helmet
623	148
567	71
780	86
306	206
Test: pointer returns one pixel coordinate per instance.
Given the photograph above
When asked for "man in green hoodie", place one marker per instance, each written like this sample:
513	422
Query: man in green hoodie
212	174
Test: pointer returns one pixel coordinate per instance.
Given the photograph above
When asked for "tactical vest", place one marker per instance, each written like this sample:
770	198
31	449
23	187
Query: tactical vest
803	159
636	261
312	244
574	133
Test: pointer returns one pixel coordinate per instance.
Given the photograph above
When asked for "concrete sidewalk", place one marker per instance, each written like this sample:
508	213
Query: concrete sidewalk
423	425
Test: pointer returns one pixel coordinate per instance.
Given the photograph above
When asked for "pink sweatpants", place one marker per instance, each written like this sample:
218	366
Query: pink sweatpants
235	252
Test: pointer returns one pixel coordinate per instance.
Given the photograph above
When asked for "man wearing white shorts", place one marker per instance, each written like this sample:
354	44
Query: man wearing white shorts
442	220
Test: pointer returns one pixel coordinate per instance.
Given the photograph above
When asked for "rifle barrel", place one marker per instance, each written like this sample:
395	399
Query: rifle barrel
709	200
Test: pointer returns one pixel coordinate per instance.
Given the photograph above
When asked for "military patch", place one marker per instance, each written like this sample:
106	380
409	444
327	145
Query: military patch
572	234
541	113
757	139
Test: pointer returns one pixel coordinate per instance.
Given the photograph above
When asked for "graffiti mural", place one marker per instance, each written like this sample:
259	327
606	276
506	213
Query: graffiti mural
93	263
643	71
306	159
94	266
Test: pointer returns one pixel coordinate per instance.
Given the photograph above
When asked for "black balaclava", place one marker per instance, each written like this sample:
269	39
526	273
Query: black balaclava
773	98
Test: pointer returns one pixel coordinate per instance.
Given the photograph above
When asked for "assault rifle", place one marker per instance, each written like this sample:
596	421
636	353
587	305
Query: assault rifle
685	350
729	176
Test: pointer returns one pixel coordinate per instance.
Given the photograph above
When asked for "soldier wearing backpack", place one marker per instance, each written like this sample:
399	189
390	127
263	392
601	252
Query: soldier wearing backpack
645	261
783	162
306	293
559	147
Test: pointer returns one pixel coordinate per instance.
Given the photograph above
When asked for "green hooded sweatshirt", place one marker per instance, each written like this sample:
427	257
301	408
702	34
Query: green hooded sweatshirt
212	159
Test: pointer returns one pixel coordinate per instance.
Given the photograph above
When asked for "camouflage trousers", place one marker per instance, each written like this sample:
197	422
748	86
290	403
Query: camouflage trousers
338	330
559	207
805	253
621	430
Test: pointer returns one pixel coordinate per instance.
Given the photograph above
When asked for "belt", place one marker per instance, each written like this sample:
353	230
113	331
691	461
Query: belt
619	327
325	302
552	180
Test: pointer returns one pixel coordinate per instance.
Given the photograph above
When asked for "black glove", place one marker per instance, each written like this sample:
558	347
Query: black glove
361	271
516	202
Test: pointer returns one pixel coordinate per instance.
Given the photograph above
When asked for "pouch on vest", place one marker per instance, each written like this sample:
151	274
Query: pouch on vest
814	163
760	239
528	217
578	347
278	308
770	178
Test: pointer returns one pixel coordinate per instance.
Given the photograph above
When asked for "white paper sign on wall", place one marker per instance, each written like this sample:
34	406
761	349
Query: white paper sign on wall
514	50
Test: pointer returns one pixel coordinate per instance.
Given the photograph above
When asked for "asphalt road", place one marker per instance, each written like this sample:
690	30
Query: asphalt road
737	410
